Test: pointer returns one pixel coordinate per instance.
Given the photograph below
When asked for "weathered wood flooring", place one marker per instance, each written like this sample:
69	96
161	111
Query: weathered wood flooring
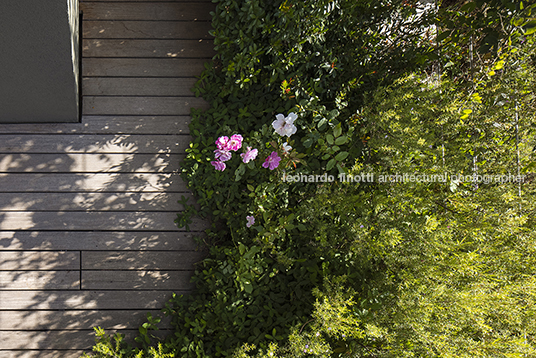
87	235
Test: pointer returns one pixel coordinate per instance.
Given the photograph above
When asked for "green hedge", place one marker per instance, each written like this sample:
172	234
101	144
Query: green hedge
368	269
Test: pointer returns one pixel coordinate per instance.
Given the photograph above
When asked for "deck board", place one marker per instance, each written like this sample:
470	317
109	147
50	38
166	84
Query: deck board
175	11
67	340
173	124
85	300
41	353
39	260
172	87
93	220
91	182
88	143
75	319
139	280
101	105
98	240
142	67
87	210
92	201
202	49
90	163
39	280
141	260
146	30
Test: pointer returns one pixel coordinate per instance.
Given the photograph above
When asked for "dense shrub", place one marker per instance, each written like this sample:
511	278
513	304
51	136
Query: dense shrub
368	268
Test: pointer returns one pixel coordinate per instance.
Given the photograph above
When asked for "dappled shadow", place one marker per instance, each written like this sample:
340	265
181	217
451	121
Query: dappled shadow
87	210
80	217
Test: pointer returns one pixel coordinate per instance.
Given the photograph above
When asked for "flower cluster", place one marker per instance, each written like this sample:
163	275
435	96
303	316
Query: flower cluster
225	146
284	126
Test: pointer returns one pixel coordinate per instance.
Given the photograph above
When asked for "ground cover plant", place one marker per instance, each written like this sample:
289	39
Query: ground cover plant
316	248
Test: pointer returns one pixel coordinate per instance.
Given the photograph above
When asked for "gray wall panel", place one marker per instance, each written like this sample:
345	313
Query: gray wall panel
39	61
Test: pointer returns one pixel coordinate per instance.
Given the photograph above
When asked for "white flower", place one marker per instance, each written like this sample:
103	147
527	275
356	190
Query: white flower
286	148
284	126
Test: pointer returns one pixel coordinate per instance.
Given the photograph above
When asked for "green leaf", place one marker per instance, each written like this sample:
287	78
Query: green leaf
443	36
329	139
331	164
240	171
530	27
337	131
341	140
341	156
518	22
469	7
499	65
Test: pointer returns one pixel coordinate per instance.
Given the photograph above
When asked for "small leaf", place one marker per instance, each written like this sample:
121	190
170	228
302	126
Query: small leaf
341	140
469	7
329	139
337	131
331	164
341	156
530	27
518	22
499	65
443	36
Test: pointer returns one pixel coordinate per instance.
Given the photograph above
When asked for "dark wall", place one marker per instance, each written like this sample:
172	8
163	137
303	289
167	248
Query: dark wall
38	61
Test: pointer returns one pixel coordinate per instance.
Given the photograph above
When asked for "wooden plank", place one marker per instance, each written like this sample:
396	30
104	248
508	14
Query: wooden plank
100	220
141	105
92	182
39	260
92	201
147	11
88	143
146	30
105	86
42	353
97	300
90	163
202	49
77	319
67	340
97	240
187	1
39	280
137	280
108	125
141	260
142	67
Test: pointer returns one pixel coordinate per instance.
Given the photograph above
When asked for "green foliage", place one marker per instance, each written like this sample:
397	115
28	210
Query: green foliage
313	58
366	268
242	295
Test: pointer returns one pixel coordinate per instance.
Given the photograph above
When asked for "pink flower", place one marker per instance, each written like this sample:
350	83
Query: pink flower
251	221
272	161
222	155
221	142
250	154
219	165
235	143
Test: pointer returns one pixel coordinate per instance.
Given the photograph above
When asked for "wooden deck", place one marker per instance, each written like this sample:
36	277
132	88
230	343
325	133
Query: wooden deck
87	235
